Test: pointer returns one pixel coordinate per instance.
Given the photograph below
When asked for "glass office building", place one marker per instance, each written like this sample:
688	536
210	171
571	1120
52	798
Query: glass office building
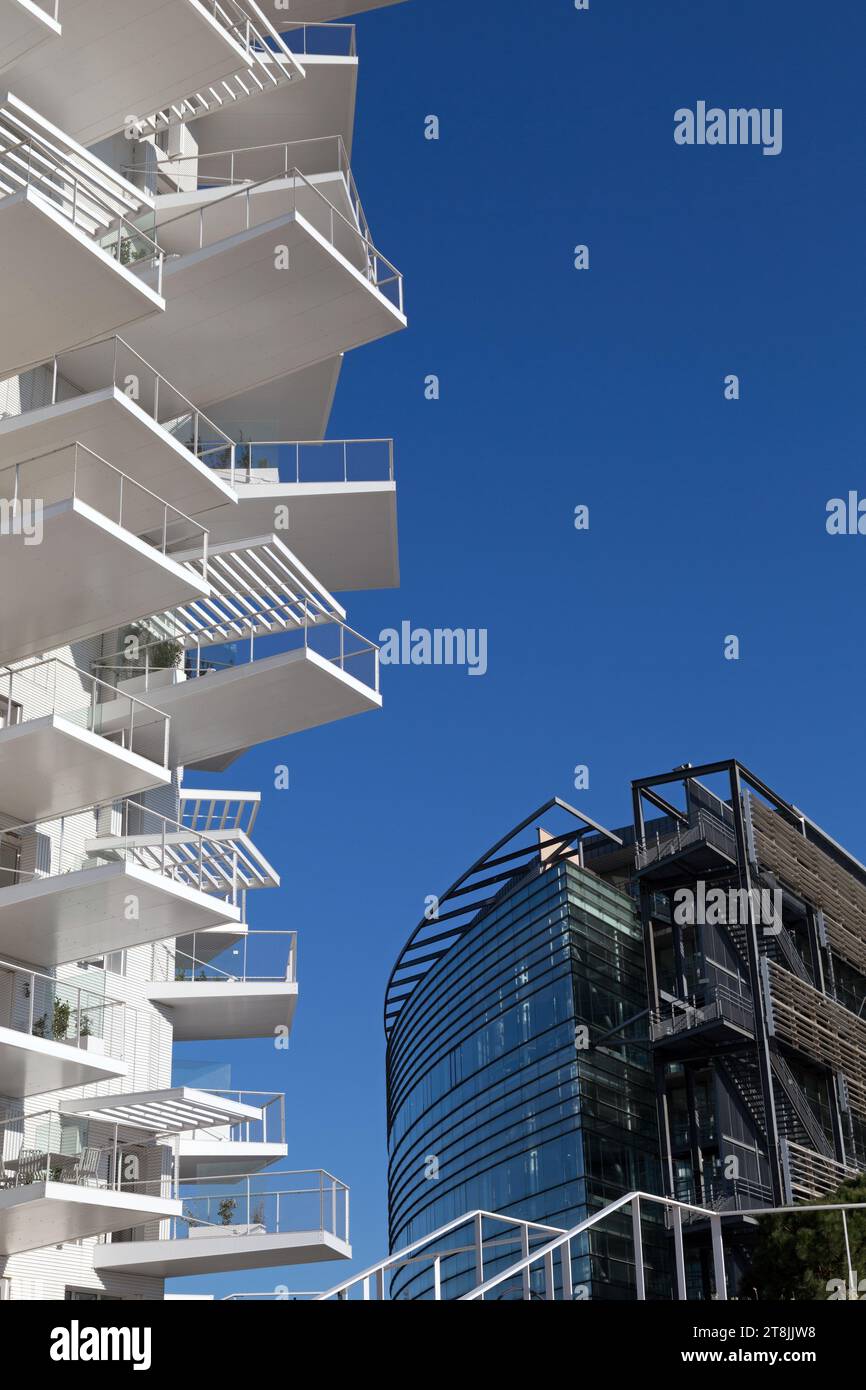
516	1083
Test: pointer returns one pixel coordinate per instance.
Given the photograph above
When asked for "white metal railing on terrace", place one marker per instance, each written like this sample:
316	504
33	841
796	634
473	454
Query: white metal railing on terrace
268	62
546	1271
465	1242
337	643
221	218
55	687
264	957
268	461
256	164
112	362
309	40
62	1147
262	602
76	185
225	862
309	1201
124	832
60	1011
703	827
223	810
268	1128
76	473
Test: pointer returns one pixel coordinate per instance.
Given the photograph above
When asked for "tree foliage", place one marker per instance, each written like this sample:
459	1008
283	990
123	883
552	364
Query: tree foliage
803	1256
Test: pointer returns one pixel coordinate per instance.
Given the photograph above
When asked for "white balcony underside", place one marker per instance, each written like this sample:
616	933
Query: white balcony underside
50	1213
291	407
61	289
220	714
85	913
117	429
24	25
323	104
346	533
122	58
211	1010
215	1158
234	321
213	1254
49	766
86	577
31	1066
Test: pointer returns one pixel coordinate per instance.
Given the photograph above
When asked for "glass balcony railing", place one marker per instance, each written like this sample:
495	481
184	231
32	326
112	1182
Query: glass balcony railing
257	956
56	687
41	1006
330	639
321	40
307	461
268	1128
68	376
239	211
76	473
272	1203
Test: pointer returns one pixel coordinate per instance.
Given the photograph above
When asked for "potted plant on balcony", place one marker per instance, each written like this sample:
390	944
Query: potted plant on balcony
60	1020
86	1039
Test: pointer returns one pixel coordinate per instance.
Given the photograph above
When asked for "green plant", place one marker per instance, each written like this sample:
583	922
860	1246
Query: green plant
39	1026
227	1208
60	1022
85	1030
804	1255
165	655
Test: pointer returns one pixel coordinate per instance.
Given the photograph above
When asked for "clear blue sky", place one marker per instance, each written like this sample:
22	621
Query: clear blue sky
558	388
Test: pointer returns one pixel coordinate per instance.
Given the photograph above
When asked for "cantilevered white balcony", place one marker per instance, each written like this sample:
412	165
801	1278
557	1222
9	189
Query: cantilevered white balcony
85	549
242	1145
324	101
156	62
290	245
215	1132
275	1218
113	402
60	1180
24	25
54	755
55	1035
268	654
340	497
250	990
75	260
110	877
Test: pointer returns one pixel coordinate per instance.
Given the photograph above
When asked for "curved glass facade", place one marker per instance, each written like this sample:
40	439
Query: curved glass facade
502	1094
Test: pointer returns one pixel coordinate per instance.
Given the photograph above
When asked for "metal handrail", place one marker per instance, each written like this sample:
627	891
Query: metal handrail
9	674
373	255
349	30
125	483
57	364
79	1016
274	1100
243	976
202	866
245	449
200	666
416	1252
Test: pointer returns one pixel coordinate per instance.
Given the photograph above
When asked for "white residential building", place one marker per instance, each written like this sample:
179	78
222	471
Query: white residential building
186	260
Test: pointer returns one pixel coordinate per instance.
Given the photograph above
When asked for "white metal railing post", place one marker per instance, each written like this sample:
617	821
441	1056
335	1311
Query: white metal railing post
437	1278
479	1249
852	1277
719	1258
549	1281
679	1253
524	1250
565	1271
639	1272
